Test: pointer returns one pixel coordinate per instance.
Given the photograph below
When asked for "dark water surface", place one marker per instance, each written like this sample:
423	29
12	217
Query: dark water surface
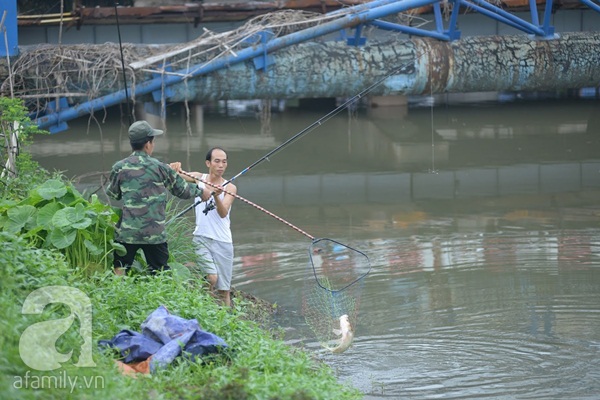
481	223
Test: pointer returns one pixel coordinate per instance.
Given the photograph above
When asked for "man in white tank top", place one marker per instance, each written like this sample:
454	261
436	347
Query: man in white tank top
212	235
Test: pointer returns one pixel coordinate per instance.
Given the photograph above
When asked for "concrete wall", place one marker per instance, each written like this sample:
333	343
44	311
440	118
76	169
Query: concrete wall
336	189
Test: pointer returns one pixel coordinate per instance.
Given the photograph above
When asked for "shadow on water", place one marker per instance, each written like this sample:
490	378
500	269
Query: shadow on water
480	223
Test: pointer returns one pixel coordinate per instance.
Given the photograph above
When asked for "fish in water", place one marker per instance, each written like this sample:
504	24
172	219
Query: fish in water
346	333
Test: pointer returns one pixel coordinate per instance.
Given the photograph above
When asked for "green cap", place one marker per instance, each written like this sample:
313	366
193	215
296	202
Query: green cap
141	130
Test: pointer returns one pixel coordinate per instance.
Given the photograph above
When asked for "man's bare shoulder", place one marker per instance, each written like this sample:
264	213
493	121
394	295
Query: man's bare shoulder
231	188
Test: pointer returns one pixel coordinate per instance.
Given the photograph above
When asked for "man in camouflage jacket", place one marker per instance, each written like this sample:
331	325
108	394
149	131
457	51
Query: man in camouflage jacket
142	182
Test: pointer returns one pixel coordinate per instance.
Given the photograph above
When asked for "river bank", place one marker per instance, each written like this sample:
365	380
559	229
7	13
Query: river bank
59	297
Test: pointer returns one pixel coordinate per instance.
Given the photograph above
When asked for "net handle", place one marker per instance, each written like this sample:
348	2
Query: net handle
311	237
310	255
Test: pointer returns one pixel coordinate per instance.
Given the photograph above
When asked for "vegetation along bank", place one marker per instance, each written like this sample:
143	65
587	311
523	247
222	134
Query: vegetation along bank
54	236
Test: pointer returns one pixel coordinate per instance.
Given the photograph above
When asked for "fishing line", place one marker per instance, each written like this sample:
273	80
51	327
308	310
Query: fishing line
123	65
432	170
127	100
309	128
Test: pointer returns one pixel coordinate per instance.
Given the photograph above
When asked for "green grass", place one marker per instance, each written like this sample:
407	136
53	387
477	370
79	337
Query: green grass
255	365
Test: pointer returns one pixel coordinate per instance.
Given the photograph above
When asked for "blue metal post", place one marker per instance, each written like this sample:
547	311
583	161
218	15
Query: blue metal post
9	45
535	19
549	30
452	32
437	12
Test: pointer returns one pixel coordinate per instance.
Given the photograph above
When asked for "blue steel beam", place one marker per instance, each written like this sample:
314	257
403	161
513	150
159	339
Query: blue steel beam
351	19
8	28
361	7
390	26
484	7
500	18
533	10
520	23
591	4
544	30
548	29
437	15
452	31
447	35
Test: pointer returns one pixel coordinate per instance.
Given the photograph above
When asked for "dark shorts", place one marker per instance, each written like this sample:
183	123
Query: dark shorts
157	256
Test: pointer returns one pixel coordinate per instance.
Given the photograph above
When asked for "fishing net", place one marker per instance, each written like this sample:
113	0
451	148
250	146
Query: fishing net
332	287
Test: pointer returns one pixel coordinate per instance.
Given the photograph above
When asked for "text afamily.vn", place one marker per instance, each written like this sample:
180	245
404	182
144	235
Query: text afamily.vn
59	381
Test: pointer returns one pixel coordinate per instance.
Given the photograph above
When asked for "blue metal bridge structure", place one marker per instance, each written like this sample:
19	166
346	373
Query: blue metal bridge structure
351	21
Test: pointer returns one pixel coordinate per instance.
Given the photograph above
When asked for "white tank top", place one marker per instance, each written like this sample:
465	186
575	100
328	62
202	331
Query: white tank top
212	225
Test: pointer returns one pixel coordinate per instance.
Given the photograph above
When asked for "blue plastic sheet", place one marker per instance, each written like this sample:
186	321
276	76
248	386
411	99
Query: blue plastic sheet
164	337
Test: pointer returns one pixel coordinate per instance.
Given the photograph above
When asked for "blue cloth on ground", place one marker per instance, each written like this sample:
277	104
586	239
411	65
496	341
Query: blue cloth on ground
164	336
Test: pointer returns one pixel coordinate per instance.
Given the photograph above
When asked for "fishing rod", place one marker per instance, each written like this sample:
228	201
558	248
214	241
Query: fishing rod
320	121
124	79
317	244
249	202
123	65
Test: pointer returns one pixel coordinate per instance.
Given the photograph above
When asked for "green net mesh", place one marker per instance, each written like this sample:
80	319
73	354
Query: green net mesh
332	288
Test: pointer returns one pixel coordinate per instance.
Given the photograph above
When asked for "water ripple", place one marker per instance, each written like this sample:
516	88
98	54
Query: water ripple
510	314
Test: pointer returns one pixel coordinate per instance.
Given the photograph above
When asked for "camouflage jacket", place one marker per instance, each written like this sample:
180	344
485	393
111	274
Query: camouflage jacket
141	182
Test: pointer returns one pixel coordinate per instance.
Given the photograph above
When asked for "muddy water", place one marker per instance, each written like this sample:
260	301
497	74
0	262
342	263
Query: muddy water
481	224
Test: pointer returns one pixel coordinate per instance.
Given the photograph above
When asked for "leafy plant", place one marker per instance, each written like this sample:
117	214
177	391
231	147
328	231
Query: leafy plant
254	366
17	170
55	215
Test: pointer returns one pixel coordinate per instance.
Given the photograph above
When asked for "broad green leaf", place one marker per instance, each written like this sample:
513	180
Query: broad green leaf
112	217
63	217
91	214
137	266
118	247
20	216
182	273
82	224
97	206
34	199
73	217
6	204
46	213
52	189
118	211
92	248
76	192
62	239
69	199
